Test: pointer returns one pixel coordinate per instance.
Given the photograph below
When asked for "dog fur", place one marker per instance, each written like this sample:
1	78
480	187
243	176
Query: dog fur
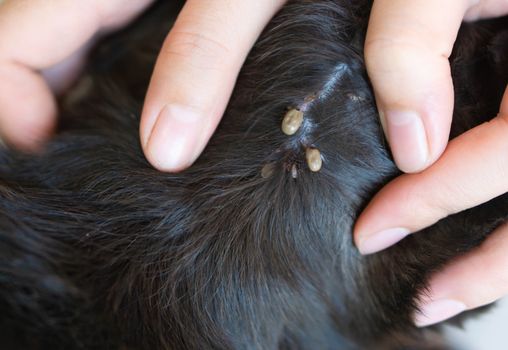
100	251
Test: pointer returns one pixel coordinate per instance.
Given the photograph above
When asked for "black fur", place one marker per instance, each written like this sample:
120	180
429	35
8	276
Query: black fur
100	251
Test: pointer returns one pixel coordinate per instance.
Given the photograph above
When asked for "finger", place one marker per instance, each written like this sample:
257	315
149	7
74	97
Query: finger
37	34
61	76
486	9
407	48
195	74
476	279
472	171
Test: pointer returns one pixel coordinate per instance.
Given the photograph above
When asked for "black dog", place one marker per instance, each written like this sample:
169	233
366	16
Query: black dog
252	247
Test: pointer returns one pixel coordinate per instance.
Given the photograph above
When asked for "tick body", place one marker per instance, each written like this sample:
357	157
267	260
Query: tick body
292	121
267	170
314	160
294	171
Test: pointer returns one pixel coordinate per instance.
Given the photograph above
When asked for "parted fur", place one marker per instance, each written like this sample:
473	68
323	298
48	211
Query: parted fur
100	251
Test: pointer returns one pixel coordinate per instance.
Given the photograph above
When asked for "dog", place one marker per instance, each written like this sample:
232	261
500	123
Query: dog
250	248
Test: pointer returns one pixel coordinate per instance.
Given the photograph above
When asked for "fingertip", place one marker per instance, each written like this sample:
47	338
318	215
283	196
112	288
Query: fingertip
377	241
178	137
30	140
437	311
408	140
416	140
387	219
27	132
475	279
27	108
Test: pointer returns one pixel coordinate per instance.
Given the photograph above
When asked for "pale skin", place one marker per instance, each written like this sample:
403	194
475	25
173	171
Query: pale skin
42	43
441	179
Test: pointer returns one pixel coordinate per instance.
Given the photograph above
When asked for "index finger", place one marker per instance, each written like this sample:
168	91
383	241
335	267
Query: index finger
195	75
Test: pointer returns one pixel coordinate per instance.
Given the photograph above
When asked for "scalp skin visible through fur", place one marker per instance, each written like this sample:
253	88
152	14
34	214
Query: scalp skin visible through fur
249	248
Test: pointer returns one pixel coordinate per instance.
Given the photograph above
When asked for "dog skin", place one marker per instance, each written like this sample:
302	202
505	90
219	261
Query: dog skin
250	248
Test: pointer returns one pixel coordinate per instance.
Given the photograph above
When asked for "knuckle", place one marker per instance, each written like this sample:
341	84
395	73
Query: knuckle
199	49
449	199
388	54
429	206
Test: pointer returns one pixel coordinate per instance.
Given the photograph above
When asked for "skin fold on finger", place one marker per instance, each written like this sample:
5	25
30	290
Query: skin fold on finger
454	183
195	75
36	35
476	279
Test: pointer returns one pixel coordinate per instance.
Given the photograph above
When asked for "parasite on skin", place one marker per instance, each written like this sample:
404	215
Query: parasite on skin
267	170
314	160
294	171
309	99
292	121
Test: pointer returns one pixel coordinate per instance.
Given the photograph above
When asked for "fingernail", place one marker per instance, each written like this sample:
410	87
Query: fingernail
438	311
408	140
176	139
381	240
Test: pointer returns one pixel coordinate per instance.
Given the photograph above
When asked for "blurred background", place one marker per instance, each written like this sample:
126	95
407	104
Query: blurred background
486	332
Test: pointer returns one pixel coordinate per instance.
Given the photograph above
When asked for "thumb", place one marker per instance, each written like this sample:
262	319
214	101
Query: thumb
407	48
195	75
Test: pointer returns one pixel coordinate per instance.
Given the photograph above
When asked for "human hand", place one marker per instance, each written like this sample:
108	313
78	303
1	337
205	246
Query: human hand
42	44
195	75
416	108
